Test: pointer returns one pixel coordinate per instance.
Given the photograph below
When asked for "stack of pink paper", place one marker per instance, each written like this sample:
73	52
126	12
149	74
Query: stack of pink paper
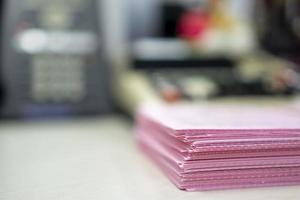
219	147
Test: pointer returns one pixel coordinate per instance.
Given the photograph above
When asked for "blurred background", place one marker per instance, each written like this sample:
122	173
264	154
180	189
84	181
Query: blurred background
64	58
86	65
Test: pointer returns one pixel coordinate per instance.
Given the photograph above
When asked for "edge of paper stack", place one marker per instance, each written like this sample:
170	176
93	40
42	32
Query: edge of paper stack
209	147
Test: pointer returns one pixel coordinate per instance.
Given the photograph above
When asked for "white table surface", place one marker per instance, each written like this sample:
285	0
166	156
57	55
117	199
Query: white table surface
95	158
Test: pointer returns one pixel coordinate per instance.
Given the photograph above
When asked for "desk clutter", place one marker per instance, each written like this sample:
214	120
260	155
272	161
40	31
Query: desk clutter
215	146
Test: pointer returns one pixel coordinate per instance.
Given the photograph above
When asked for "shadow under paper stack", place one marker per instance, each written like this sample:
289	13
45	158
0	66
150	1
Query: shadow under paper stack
208	147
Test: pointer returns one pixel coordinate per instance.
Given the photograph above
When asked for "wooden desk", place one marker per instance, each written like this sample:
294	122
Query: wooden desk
93	159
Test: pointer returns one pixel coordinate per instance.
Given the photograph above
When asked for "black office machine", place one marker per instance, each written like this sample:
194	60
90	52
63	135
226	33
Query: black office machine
52	59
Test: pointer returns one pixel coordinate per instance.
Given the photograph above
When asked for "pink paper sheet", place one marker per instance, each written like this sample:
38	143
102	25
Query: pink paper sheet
221	147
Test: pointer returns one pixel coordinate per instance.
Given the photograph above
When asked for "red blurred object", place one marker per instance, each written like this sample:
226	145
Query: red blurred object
171	95
193	24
